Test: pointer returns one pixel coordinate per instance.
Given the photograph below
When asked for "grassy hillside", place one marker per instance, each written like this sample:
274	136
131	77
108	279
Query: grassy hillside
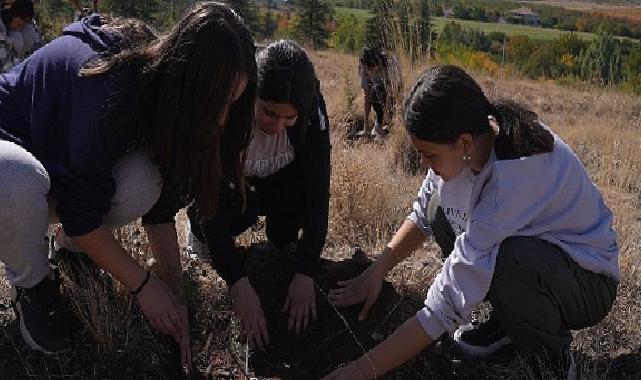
510	29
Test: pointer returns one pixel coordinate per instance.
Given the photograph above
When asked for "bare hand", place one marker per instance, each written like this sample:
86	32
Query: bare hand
301	302
364	288
161	309
348	372
247	307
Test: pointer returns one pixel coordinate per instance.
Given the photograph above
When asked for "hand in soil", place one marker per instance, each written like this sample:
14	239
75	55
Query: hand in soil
246	305
160	307
364	288
301	302
348	372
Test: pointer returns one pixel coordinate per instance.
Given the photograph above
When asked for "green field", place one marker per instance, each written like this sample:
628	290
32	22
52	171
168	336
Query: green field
509	29
360	14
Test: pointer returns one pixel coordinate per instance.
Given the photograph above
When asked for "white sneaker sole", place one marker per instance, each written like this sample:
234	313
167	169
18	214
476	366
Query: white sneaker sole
478	351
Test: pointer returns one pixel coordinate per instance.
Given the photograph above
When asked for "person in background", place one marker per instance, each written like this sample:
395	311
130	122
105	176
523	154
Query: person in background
519	222
382	84
19	37
287	166
95	127
374	82
83	11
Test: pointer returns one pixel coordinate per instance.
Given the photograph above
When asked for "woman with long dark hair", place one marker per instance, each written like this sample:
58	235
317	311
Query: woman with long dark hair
287	165
518	220
92	126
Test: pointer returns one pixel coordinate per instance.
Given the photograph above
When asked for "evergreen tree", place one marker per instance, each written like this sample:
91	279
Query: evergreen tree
601	62
310	25
401	25
269	25
248	10
142	10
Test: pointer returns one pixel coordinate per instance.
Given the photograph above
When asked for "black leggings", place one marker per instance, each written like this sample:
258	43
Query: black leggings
378	100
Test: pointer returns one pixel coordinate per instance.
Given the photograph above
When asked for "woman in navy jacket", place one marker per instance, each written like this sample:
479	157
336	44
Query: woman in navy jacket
92	126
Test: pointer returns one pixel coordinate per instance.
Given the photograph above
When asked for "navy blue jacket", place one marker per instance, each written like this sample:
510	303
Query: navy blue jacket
54	114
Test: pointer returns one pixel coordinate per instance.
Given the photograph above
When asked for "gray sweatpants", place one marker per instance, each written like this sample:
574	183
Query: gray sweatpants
26	210
538	293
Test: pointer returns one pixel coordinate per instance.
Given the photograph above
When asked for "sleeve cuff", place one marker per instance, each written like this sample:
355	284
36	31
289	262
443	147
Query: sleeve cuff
425	230
305	264
431	325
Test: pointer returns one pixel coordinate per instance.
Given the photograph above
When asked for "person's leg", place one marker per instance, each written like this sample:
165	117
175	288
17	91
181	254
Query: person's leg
443	233
138	187
23	216
538	294
380	116
379	105
23	224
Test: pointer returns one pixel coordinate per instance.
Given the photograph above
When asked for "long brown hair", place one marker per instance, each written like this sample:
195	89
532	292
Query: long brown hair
182	83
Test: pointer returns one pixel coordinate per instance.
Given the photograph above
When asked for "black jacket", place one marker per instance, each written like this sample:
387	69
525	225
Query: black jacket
312	152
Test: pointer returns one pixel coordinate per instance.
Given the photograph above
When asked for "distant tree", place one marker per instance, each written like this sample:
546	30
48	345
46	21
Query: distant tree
632	70
142	10
248	10
478	13
349	35
310	25
269	25
601	61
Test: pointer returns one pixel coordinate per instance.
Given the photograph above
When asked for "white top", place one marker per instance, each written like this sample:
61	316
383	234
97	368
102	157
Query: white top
267	154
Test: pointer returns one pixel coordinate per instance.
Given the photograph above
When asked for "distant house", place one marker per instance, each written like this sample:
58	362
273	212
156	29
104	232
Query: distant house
525	16
448	12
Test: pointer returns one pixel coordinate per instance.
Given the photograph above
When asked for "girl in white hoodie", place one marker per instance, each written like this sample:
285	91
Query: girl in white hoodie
518	219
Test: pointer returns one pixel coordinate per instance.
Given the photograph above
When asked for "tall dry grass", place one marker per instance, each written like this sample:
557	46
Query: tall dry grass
371	195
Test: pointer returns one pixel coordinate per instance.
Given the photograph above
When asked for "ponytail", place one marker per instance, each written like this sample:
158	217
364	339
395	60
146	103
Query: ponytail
521	134
446	102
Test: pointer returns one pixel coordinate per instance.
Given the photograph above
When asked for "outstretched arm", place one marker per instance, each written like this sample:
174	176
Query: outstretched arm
405	343
366	287
164	245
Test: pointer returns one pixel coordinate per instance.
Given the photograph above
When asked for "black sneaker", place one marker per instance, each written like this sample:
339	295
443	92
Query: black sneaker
42	316
481	339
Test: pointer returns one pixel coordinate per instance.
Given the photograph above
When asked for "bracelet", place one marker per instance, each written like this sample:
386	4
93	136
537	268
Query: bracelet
142	284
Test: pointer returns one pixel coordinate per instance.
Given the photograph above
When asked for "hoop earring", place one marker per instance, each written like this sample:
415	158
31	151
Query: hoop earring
467	158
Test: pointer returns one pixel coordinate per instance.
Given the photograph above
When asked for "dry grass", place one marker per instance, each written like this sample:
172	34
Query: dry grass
370	198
